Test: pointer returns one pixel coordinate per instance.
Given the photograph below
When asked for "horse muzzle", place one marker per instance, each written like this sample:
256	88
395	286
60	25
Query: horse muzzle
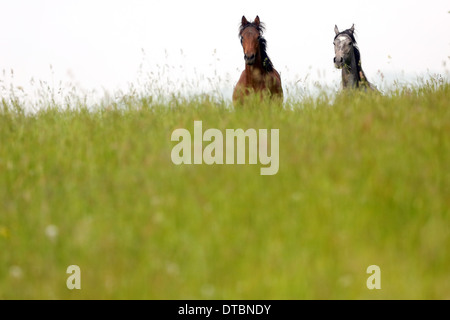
250	59
338	62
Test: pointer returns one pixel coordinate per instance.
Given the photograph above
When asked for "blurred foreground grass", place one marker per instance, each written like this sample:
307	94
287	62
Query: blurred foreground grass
364	179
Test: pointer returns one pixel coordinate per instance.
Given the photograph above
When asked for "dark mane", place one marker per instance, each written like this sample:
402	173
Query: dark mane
267	63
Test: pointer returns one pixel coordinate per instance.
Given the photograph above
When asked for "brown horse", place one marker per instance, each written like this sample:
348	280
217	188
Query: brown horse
259	74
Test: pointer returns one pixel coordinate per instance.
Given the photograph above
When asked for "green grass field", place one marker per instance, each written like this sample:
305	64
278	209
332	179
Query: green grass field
363	180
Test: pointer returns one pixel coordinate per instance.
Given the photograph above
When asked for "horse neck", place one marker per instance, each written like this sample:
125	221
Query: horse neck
350	74
253	71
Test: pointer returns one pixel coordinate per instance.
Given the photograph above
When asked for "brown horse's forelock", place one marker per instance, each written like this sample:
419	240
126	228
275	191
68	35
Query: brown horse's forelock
259	27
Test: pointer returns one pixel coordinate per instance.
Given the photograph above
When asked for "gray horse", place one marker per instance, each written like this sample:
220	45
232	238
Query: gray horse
348	58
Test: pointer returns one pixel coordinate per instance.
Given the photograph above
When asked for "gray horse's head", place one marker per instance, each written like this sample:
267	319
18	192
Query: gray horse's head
343	47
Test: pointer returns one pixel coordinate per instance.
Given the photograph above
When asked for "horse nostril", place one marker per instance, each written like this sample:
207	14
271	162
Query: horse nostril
251	57
334	60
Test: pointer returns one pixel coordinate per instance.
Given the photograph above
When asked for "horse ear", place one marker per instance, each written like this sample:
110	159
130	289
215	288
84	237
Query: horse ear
244	21
336	30
352	29
257	22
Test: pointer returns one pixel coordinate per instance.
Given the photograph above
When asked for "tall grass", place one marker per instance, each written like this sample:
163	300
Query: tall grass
363	180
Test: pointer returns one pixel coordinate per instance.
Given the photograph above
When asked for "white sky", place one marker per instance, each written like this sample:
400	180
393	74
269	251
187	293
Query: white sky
100	43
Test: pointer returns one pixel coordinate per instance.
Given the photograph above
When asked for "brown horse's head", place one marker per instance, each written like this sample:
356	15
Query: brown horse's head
250	34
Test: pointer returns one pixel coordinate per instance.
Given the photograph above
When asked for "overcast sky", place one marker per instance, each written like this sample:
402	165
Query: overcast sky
104	43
